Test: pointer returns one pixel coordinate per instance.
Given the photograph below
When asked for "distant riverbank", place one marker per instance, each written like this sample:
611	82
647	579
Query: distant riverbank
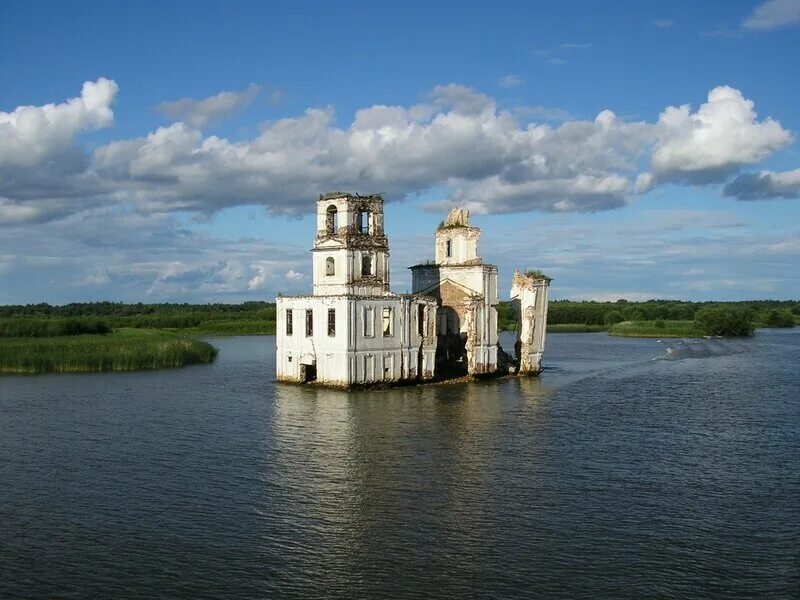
111	336
657	329
123	350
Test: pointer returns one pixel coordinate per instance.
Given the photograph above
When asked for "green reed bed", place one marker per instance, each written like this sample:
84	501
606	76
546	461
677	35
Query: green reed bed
121	351
657	329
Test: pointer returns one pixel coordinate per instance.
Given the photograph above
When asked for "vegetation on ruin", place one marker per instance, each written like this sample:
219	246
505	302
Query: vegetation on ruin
123	350
537	274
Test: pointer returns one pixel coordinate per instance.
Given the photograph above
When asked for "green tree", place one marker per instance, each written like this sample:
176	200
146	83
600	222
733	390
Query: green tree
725	320
779	318
612	317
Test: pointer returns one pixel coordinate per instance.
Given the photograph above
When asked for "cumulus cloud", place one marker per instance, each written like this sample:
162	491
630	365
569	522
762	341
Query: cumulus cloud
709	145
198	113
30	134
458	140
773	14
120	254
292	274
44	172
765	185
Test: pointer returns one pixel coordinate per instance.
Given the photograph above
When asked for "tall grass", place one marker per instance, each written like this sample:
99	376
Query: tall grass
117	352
656	329
36	327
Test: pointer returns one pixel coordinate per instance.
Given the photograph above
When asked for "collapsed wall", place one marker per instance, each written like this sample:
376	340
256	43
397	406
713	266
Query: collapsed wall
529	297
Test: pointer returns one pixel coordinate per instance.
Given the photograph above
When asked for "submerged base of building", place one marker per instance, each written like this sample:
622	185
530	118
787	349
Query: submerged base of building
508	370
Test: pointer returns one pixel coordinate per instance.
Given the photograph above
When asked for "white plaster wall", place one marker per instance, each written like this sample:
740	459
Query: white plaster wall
348	275
344	215
328	352
530	300
349	357
463	245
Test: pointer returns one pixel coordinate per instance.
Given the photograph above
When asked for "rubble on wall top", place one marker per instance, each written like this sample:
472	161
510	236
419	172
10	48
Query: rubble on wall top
349	195
530	275
457	217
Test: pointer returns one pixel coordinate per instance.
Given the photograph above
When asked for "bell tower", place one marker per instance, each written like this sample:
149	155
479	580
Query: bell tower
456	241
351	252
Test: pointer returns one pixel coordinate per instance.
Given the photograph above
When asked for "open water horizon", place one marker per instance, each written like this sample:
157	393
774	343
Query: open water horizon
623	471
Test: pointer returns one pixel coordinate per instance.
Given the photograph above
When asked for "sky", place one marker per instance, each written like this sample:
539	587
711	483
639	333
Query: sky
173	152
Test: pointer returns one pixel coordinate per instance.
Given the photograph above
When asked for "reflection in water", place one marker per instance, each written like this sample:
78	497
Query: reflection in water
611	475
422	460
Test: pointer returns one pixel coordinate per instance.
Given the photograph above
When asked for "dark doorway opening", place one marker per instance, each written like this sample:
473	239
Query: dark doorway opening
308	373
451	344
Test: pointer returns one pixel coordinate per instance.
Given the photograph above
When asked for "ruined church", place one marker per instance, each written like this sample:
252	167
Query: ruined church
352	330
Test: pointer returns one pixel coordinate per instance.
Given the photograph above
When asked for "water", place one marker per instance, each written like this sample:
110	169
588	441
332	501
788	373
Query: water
612	475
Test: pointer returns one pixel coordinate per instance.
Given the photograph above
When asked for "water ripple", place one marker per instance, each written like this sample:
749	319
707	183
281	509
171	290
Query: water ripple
610	476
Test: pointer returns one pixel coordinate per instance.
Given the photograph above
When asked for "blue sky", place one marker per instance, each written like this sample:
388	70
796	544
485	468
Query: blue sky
629	149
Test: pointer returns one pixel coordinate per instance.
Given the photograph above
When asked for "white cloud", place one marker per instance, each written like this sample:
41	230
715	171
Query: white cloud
765	185
580	193
491	159
542	113
292	274
714	142
773	14
44	173
510	81
30	134
199	113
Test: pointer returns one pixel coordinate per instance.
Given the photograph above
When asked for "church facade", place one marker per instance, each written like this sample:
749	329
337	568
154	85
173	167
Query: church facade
352	330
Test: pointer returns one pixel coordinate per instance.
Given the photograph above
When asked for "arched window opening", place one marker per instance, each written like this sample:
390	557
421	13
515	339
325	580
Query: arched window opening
332	219
363	220
330	267
366	265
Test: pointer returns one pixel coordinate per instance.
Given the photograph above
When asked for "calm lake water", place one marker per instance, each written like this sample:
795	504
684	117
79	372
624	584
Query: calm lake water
612	475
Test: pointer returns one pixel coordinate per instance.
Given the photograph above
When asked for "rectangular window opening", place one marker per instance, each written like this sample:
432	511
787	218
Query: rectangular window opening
289	323
331	322
420	319
363	221
388	322
449	248
309	322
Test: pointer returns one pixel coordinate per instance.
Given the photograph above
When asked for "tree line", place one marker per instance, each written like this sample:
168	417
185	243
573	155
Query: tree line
40	320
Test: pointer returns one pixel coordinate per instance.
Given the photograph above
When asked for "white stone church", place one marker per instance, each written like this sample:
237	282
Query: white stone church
353	330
